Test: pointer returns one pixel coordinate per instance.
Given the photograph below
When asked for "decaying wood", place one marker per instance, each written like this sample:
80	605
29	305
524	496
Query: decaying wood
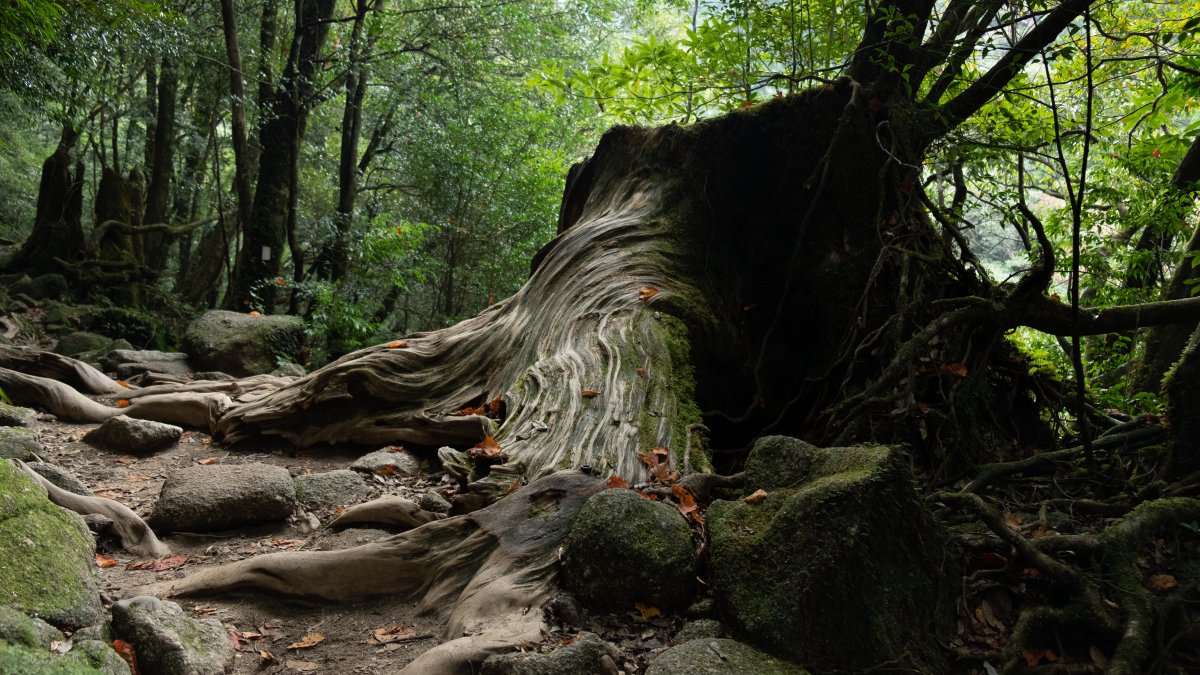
136	536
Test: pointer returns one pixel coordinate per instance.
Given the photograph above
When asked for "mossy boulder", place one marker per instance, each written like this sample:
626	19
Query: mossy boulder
18	629
840	567
80	342
587	653
717	656
141	329
241	344
18	443
16	416
45	555
25	644
169	641
624	549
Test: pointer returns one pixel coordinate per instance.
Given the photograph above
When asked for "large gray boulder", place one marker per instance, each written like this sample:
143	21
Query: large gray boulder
393	460
624	549
61	478
241	344
840	565
79	342
168	641
716	656
134	436
222	497
46	555
331	489
129	362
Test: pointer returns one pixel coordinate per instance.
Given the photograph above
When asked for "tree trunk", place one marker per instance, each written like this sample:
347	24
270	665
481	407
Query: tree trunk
57	227
745	268
158	191
241	158
120	199
264	236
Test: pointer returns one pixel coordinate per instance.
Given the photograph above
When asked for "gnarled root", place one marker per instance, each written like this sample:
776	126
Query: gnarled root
394	511
494	568
60	399
136	536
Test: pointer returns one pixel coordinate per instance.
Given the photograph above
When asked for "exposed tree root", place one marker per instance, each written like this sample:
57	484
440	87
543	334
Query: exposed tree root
136	536
395	511
187	409
65	402
493	569
1104	594
72	372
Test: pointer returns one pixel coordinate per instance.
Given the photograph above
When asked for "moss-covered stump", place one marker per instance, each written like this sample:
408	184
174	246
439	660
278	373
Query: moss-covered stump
624	549
710	656
45	556
842	569
242	344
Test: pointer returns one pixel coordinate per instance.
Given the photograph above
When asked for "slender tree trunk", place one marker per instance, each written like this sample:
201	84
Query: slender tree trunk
267	32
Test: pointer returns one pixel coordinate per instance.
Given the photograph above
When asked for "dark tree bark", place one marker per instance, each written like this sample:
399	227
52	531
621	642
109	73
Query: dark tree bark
120	200
241	158
161	168
57	228
264	236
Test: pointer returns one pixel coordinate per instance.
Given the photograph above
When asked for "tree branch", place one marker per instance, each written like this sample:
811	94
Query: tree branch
993	81
1046	315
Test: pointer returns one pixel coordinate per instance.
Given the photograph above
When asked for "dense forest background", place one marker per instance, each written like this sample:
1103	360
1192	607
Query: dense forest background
386	167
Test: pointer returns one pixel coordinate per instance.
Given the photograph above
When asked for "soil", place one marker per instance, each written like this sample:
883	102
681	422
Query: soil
263	627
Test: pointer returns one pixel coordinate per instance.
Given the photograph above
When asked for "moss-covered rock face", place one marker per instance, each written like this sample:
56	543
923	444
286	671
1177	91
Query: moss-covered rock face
45	556
840	567
18	629
624	549
14	659
241	344
168	641
16	416
18	443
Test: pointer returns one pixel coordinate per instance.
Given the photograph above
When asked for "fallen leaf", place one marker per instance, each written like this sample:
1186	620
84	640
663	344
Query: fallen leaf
127	654
1098	657
687	503
266	659
1036	656
207	461
340	509
392	634
514	487
641	372
1031	573
756	497
397	344
647	292
1013	522
615	481
647	611
103	561
310	640
661	452
255	314
123	403
123	383
1158	583
385	470
302	666
286	543
957	369
589	393
159	565
494	406
201	610
489	447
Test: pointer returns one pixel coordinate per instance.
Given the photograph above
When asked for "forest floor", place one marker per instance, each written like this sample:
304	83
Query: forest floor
263	627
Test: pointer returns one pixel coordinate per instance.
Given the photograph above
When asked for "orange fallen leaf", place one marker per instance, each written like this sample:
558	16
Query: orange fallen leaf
589	393
1036	656
514	487
385	470
159	565
1013	522
256	314
647	292
615	481
123	383
957	369
1031	573
266	659
207	461
397	344
489	447
279	281
104	561
662	452
310	640
1098	657
647	611
494	406
392	634
123	403
340	509
756	497
127	654
1158	583
641	372
687	503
